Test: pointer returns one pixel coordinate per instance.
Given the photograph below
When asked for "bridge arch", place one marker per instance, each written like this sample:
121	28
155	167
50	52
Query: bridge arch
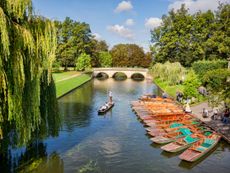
120	75
103	75
138	76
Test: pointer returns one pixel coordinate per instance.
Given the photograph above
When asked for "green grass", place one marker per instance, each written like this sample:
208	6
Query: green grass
65	86
171	90
62	75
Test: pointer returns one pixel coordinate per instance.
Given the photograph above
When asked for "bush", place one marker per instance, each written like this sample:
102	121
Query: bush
202	67
191	85
105	59
83	62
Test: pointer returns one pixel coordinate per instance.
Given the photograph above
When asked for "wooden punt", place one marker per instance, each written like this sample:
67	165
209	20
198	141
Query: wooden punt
186	142
201	148
102	110
172	136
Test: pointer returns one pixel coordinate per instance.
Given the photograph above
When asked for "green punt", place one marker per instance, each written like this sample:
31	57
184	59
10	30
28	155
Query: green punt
184	143
200	149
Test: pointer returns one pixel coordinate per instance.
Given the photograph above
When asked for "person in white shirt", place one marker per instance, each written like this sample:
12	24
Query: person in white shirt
110	97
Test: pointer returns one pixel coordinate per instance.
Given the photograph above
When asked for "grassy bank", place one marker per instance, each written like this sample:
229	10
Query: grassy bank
171	90
65	86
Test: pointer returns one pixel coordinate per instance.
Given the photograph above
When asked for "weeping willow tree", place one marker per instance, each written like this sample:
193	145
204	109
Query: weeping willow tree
170	72
27	50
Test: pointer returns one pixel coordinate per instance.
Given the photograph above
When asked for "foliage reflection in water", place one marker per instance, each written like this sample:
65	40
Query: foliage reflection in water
115	142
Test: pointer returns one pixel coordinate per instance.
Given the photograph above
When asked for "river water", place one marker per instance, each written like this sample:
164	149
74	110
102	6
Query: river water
112	143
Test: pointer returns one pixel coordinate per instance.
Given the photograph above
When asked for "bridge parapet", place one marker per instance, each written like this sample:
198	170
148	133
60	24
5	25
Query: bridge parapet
127	71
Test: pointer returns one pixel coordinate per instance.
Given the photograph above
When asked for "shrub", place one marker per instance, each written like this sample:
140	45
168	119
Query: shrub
202	67
105	59
83	62
191	85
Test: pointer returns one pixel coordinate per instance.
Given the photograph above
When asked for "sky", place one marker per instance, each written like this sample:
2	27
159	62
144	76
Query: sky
119	21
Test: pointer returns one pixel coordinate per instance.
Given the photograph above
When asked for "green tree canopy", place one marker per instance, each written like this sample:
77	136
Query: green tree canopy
129	55
186	38
74	38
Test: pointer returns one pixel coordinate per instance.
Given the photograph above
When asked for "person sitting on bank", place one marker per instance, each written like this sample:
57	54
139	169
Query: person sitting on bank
164	95
226	116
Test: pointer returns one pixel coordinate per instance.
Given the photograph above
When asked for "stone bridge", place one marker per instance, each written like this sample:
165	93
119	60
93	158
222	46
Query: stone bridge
129	72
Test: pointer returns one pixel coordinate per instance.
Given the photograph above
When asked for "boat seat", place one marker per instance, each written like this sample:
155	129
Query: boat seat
174	125
200	149
188	139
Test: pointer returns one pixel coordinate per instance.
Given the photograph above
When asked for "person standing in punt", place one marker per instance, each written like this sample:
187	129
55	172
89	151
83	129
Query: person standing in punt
110	97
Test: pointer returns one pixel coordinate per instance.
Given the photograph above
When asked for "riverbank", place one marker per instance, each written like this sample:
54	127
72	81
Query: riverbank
66	83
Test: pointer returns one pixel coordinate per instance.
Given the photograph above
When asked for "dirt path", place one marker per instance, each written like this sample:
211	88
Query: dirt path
69	77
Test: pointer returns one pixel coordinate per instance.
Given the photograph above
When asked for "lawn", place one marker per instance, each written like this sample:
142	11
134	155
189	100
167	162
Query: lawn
171	90
63	87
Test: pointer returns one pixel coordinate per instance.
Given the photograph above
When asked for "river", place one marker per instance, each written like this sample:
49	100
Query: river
112	143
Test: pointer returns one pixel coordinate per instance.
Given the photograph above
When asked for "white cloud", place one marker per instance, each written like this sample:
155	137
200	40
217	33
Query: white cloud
196	5
152	22
97	36
129	22
121	31
124	6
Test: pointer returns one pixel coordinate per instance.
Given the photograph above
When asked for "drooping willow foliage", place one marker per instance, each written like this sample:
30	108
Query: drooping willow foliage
171	72
27	50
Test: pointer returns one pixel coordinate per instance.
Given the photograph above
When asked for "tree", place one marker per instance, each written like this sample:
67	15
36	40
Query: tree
97	47
83	62
186	38
74	38
27	51
105	59
170	72
218	84
128	55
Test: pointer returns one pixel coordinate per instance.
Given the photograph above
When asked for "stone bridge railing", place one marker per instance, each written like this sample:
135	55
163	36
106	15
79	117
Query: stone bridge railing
127	71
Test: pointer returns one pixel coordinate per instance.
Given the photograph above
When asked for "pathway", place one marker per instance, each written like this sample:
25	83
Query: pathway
217	125
72	76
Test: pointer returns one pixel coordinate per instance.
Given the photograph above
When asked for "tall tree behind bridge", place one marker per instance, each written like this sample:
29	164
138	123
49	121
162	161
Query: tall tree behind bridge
129	55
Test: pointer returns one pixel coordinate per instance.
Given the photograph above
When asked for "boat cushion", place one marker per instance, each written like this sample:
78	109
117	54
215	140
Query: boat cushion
195	122
207	143
185	131
174	125
201	149
207	133
190	139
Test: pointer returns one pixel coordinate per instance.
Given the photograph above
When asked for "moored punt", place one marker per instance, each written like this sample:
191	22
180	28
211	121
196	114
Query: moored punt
184	143
172	136
201	148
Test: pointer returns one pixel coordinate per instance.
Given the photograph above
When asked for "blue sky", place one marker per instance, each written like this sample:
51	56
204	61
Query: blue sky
118	21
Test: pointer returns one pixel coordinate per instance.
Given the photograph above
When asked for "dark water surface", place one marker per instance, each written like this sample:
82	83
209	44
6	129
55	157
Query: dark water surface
113	143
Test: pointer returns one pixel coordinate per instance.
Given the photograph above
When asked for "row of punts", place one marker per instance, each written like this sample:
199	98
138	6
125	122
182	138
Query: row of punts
166	123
